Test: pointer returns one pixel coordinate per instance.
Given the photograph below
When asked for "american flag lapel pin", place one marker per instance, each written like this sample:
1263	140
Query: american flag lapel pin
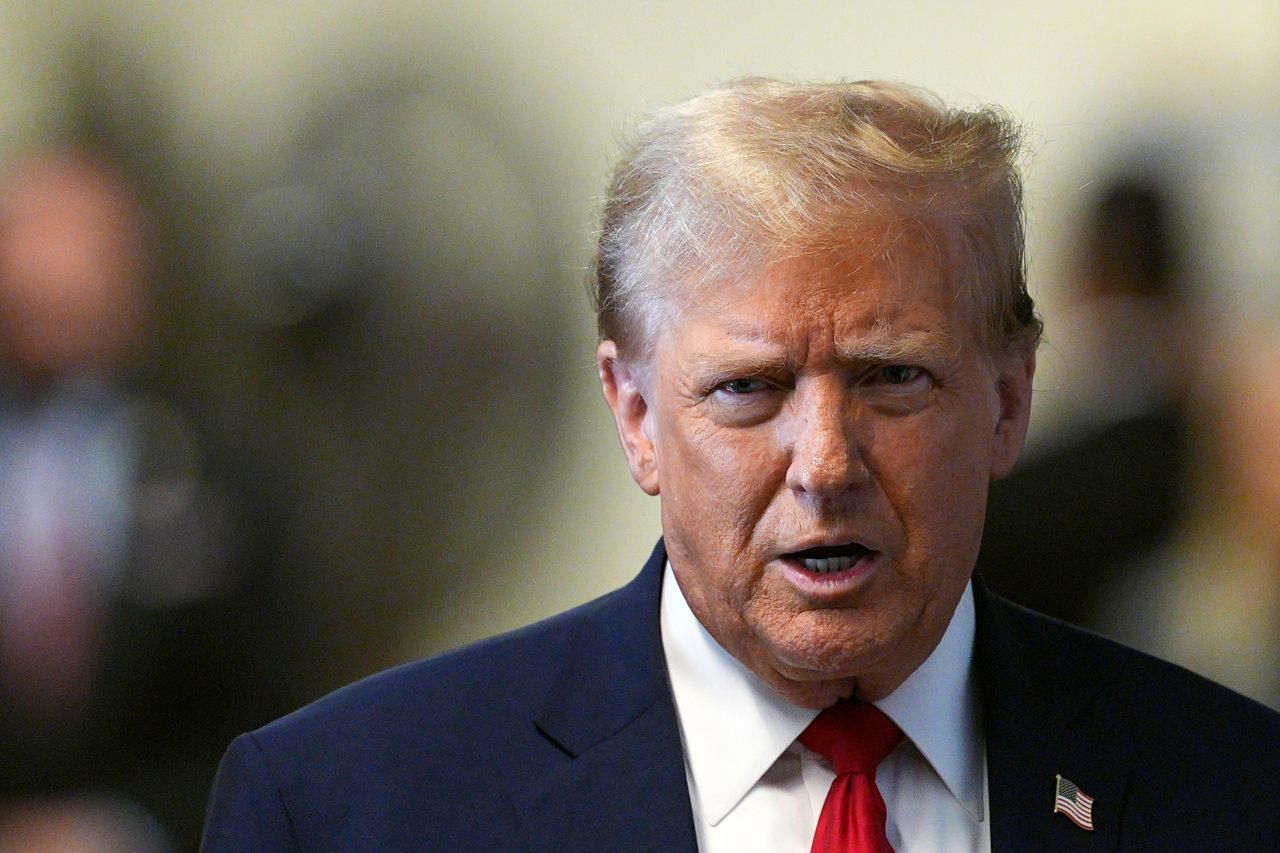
1074	803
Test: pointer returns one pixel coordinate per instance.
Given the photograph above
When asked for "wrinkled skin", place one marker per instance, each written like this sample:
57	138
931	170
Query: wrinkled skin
832	399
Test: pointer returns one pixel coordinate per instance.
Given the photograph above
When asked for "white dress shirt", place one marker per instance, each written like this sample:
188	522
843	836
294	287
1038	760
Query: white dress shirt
753	787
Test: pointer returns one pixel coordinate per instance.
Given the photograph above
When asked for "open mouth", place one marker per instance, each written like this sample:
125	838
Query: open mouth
830	559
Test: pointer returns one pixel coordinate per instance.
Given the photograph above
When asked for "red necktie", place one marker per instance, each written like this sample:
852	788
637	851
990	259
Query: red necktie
855	737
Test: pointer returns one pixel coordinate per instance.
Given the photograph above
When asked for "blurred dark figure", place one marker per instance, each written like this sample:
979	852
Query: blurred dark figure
1209	599
1108	486
133	587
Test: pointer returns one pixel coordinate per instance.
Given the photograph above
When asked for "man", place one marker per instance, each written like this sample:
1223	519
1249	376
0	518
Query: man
136	573
818	348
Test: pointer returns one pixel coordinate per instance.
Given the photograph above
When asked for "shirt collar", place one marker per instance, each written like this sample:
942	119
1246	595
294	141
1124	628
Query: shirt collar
937	709
735	727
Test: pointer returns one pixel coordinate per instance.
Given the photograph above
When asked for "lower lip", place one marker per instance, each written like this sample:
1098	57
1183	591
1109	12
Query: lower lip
830	584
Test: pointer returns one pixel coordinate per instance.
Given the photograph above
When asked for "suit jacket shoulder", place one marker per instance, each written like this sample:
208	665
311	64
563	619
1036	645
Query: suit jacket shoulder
558	736
1172	761
563	736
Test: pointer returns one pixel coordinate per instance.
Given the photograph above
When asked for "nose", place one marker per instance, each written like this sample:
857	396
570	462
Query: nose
826	460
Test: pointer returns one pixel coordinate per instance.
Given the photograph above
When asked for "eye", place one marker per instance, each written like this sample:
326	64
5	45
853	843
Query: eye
898	388
743	385
899	374
899	381
745	401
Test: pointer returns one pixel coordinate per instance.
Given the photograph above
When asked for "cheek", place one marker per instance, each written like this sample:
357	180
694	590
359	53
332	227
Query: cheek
935	474
731	474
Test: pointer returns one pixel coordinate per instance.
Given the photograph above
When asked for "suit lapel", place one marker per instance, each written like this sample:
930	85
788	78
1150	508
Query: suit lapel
620	782
1040	721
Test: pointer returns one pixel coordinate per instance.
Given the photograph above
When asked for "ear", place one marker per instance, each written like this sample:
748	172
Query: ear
625	396
1013	387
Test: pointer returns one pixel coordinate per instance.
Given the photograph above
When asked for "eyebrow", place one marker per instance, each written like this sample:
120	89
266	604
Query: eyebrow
883	347
743	363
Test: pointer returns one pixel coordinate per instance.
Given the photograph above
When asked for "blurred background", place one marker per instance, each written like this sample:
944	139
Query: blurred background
296	361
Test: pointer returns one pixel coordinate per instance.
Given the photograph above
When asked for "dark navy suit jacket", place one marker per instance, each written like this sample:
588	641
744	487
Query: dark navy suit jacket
563	737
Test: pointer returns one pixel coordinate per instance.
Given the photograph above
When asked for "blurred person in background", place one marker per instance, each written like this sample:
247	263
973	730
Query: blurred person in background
1105	479
131	572
1209	598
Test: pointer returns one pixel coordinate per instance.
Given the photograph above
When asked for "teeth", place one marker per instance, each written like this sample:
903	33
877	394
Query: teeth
828	565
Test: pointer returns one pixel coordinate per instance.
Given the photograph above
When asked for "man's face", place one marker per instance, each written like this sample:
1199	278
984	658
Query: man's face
822	437
72	255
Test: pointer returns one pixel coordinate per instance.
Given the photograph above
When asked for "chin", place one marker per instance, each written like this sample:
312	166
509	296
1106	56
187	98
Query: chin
809	677
815	694
830	644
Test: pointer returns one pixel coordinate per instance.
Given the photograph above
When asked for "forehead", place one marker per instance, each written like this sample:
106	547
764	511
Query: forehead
865	289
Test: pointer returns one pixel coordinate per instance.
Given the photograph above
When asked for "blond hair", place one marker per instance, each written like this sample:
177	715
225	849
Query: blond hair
720	184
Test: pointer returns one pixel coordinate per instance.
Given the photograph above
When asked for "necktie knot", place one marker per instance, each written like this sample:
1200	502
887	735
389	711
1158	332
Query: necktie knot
854	736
